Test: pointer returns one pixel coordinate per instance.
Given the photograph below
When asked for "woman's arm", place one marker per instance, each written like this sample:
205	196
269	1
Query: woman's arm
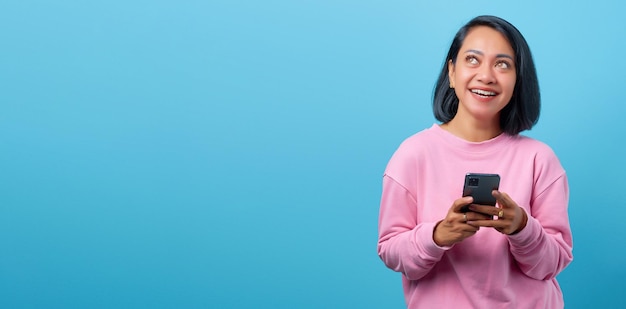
404	245
544	247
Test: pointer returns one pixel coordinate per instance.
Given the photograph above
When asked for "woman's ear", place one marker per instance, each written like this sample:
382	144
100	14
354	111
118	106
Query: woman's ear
451	73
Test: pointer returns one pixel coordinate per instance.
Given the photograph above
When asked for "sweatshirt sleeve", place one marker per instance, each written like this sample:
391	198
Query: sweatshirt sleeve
404	245
544	247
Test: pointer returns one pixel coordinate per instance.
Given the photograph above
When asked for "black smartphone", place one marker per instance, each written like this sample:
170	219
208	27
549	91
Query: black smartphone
480	186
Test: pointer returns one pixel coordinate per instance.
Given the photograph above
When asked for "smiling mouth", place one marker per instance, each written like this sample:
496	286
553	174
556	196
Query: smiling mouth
483	93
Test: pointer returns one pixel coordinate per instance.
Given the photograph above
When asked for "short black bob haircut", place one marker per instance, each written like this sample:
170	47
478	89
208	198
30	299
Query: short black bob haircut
522	112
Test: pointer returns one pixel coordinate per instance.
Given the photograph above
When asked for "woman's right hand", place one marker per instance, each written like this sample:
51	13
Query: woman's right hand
454	228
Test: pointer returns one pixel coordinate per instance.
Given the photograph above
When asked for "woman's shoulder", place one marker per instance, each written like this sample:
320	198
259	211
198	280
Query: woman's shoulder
411	149
540	151
417	140
531	144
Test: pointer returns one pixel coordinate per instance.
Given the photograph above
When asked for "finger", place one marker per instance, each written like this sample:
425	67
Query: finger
459	203
503	199
487	223
465	217
484	209
500	213
474	216
470	228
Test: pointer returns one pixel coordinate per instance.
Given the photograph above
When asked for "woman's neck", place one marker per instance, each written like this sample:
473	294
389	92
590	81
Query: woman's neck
472	130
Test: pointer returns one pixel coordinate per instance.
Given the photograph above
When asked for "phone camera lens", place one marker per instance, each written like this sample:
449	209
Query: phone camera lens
473	181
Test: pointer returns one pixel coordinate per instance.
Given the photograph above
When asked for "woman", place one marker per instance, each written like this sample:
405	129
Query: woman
506	256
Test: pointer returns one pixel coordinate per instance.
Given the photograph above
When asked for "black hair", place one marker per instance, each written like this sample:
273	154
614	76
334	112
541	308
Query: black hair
522	112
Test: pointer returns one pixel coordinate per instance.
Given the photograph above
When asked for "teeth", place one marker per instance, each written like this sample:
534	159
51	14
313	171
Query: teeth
483	92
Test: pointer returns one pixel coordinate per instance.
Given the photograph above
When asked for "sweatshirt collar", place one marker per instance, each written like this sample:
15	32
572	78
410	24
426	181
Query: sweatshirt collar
460	144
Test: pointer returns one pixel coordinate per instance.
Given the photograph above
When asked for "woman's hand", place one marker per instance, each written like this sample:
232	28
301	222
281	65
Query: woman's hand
511	218
454	227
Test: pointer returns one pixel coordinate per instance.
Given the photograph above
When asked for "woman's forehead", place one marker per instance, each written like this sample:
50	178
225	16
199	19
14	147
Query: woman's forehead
487	41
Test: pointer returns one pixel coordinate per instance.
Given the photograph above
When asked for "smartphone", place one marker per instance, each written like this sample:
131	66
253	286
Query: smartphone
480	186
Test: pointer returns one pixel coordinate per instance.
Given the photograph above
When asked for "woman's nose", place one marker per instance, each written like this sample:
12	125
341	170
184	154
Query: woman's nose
486	75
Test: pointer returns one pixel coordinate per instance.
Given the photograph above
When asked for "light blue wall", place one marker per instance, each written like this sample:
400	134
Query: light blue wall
228	154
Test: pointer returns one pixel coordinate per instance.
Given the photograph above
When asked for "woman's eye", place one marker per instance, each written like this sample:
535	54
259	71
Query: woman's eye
471	60
503	65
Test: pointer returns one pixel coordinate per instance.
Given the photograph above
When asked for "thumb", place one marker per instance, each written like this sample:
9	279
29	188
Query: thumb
503	199
462	202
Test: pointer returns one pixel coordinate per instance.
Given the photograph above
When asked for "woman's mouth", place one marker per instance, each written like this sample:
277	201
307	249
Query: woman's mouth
483	93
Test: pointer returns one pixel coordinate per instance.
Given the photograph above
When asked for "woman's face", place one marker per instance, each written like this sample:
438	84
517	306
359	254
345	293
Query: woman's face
483	76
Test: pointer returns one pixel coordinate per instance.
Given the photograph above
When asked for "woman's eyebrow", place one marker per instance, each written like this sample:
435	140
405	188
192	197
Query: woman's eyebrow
478	52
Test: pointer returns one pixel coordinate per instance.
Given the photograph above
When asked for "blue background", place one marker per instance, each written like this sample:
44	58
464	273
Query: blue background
229	154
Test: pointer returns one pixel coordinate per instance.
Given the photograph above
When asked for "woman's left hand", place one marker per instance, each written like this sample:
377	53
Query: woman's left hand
511	218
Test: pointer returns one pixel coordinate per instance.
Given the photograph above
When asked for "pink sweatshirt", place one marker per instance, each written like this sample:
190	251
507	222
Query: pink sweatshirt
487	270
